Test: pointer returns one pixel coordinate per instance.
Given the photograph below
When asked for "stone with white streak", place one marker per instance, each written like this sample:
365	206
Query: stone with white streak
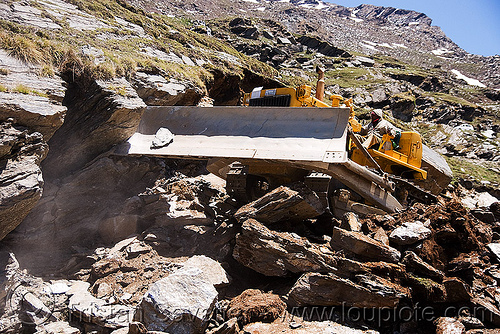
410	233
97	311
179	303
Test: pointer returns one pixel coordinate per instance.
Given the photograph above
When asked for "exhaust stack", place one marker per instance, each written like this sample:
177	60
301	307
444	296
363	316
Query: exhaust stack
320	86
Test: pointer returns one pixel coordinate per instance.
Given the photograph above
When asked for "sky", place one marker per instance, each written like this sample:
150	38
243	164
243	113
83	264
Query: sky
472	24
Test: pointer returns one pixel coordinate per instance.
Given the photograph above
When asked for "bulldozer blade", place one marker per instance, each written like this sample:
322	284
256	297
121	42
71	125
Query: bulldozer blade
307	138
269	133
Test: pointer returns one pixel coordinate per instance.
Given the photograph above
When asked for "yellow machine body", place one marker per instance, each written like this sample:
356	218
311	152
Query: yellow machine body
405	162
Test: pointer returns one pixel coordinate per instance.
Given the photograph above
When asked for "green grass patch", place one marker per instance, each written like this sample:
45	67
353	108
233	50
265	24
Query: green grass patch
465	168
3	89
22	89
451	99
351	77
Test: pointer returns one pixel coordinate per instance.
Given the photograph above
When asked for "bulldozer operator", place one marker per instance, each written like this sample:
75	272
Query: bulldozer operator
377	128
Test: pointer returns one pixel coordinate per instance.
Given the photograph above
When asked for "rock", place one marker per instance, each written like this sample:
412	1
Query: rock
457	290
322	47
157	90
27	15
471	322
495	209
425	289
324	326
486	310
446	325
296	202
86	307
283	40
267	34
179	303
21	181
59	327
136	248
41	110
478	200
33	310
363	246
350	222
74	211
381	236
37	113
494	248
331	290
483	215
379	96
163	137
137	328
415	264
367	62
410	233
278	253
105	267
118	227
229	327
253	305
211	268
439	173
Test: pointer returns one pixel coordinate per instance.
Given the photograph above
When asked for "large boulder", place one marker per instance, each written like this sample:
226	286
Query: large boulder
331	290
363	246
296	202
211	268
279	253
179	303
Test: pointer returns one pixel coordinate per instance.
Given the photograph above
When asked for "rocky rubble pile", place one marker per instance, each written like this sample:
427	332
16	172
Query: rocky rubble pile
295	270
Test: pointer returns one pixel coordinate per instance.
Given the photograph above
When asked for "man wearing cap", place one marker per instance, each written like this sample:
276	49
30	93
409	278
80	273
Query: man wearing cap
378	127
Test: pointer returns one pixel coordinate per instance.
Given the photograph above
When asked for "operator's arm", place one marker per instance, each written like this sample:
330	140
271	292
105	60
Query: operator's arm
366	129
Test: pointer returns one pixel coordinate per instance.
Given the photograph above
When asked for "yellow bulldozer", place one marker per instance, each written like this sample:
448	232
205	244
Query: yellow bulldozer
283	135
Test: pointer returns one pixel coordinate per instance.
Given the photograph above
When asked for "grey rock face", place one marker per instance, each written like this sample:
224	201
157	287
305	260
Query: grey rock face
21	179
30	113
99	117
180	303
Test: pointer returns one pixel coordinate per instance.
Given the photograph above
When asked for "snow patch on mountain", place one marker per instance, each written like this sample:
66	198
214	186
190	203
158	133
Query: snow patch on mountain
470	81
